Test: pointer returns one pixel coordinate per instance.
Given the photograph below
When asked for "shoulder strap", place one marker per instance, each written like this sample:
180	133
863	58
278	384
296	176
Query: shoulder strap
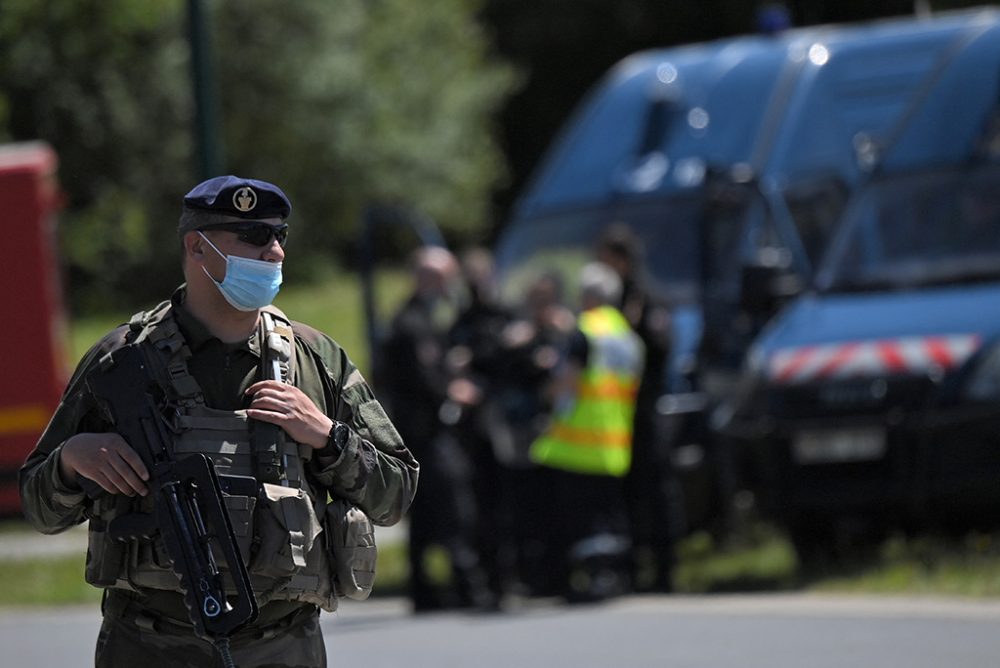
277	345
277	362
141	322
159	328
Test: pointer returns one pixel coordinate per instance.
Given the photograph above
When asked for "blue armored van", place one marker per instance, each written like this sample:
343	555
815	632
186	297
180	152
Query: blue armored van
732	162
873	400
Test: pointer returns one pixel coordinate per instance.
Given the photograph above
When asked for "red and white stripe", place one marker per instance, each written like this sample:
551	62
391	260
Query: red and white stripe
907	355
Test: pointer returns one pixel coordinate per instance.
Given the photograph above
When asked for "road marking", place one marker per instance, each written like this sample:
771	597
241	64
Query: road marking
821	605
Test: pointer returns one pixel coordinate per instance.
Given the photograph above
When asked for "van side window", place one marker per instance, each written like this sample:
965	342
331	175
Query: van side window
816	206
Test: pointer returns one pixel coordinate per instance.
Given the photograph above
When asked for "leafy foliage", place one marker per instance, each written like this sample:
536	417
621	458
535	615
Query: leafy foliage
383	100
102	81
338	103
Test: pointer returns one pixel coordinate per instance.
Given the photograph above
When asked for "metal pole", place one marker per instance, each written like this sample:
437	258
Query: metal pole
208	129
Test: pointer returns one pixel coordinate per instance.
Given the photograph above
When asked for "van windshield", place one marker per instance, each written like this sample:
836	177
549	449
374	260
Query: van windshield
929	228
564	242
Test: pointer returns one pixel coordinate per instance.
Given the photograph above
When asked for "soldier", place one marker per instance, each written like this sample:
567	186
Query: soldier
338	442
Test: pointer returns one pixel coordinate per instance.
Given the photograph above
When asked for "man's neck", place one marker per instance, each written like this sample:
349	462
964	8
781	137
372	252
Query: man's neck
223	321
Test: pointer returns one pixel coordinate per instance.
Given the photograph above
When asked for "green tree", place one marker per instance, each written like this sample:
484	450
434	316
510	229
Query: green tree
98	79
339	102
380	99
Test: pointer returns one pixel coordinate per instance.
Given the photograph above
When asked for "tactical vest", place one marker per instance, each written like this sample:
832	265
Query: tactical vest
594	435
279	528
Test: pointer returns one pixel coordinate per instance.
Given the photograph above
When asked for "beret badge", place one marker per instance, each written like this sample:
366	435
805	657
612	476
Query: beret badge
244	199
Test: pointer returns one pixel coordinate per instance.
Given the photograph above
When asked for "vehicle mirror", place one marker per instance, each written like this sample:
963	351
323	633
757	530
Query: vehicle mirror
723	191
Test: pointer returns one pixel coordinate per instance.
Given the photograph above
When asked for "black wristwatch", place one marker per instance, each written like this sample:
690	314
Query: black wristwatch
336	441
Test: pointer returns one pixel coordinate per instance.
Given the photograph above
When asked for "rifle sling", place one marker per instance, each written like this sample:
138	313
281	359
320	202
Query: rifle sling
277	352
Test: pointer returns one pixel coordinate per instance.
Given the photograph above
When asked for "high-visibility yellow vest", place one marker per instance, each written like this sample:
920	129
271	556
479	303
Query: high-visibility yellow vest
594	435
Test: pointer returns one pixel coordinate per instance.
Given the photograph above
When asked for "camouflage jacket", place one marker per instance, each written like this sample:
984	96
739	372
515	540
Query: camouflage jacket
376	472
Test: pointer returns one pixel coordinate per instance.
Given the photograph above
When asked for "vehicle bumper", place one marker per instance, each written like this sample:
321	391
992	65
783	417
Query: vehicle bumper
940	465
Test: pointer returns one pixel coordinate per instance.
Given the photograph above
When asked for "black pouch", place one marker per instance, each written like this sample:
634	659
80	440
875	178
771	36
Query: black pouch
106	556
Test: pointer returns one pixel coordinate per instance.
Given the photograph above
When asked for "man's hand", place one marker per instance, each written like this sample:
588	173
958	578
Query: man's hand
107	460
291	409
463	391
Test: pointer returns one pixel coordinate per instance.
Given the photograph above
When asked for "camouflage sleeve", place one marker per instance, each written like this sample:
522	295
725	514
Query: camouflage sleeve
48	502
375	470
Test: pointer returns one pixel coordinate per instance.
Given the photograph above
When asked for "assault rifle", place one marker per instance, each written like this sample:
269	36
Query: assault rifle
188	510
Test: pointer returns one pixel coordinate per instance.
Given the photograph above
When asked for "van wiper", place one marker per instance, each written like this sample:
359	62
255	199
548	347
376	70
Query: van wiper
865	284
952	273
974	275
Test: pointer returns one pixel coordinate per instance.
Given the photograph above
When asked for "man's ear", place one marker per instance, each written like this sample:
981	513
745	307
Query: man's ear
194	245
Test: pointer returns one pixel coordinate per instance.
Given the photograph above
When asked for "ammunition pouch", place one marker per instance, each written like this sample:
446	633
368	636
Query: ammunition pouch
351	543
287	528
106	557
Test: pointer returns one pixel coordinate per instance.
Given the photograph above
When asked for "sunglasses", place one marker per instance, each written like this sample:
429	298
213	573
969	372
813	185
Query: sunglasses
254	233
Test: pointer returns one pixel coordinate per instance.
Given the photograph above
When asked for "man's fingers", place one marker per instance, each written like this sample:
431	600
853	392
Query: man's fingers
270	399
266	401
134	461
274	417
265	385
112	481
104	482
108	460
289	408
125	477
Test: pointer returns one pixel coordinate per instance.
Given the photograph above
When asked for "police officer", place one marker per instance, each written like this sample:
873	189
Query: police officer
338	442
416	383
476	362
531	345
651	488
588	445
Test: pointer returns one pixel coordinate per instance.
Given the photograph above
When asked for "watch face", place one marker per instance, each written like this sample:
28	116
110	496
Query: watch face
340	433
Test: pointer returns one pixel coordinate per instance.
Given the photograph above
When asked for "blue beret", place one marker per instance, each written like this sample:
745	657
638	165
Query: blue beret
235	196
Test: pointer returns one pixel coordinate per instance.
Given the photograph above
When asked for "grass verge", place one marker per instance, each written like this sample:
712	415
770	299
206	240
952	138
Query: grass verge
58	580
762	561
45	581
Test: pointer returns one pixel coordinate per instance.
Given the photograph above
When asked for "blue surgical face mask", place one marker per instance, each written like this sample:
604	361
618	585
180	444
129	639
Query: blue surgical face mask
249	284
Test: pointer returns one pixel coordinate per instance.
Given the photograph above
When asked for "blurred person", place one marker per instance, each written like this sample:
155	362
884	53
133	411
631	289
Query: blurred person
413	351
650	486
532	344
475	361
336	441
417	384
587	447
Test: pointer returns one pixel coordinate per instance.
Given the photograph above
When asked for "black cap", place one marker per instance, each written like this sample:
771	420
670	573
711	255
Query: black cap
233	196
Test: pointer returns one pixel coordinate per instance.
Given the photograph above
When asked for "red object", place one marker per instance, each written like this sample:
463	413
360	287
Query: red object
32	339
913	355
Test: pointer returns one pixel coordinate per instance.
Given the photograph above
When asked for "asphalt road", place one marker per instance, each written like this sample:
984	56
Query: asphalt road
742	631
